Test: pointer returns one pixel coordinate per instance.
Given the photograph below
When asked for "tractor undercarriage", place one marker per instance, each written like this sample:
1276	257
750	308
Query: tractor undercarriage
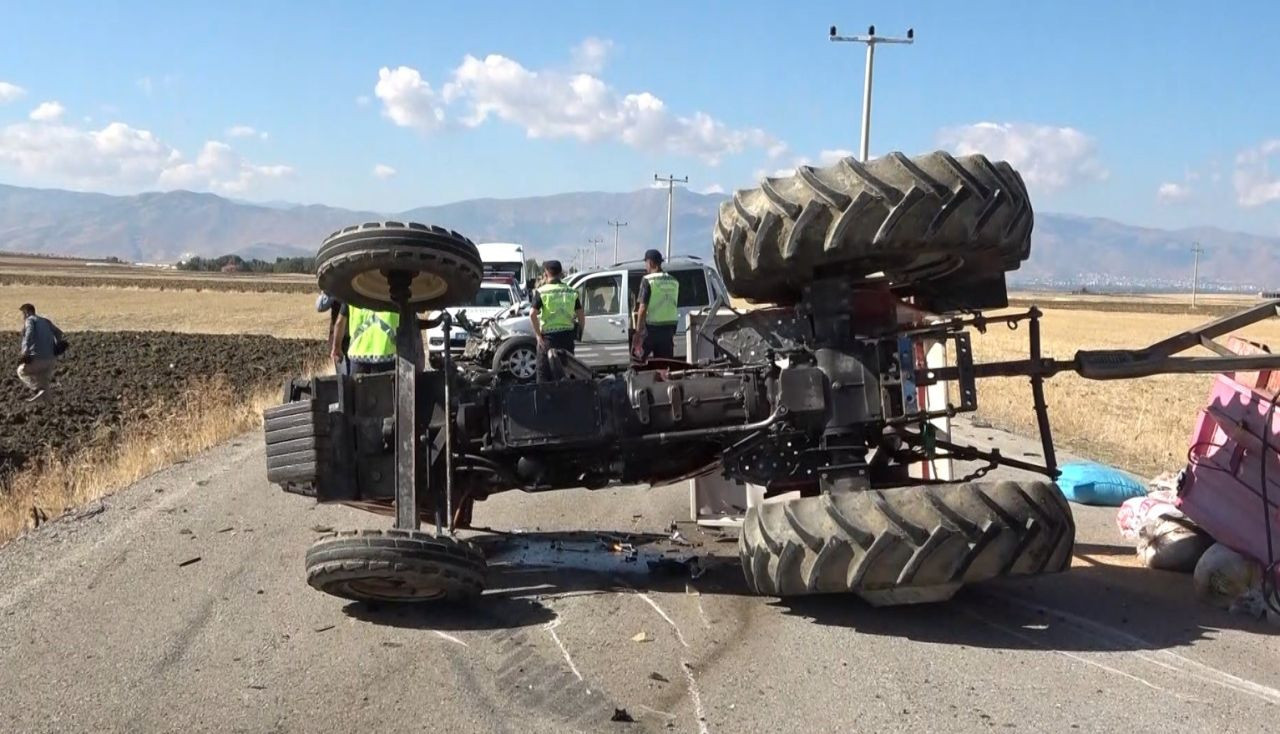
822	397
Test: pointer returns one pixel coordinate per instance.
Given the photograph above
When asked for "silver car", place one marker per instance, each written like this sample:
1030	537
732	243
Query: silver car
506	342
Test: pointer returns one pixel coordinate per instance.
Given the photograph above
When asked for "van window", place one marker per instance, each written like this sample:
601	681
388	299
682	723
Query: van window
693	287
601	296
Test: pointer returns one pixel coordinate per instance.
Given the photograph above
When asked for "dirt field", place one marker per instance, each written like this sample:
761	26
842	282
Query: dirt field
1142	425
111	379
285	315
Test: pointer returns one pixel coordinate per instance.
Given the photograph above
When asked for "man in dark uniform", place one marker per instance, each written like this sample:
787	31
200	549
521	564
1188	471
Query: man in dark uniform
656	309
556	314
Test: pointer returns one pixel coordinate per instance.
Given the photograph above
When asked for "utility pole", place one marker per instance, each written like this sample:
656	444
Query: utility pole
871	39
616	227
671	182
1195	272
595	243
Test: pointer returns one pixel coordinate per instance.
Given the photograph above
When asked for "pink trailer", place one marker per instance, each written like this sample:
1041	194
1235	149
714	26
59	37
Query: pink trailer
1223	492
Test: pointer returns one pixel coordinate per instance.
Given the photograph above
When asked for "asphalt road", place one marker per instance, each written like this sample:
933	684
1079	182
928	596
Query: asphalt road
182	607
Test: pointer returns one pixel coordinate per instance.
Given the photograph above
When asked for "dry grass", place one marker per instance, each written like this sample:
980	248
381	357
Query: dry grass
1143	425
209	412
290	315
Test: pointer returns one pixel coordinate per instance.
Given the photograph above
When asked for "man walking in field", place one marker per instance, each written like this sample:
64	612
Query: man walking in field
42	343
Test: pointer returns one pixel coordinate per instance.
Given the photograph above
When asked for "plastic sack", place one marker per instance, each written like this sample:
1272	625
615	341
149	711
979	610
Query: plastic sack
1171	542
1223	577
1087	483
1136	512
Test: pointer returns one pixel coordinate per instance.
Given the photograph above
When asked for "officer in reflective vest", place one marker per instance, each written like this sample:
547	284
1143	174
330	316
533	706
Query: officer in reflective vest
556	314
372	337
656	310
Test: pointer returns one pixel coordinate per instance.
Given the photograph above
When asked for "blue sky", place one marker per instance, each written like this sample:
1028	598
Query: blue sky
1156	113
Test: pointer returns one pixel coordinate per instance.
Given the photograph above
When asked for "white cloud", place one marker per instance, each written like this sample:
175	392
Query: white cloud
47	111
383	171
549	104
591	54
1254	182
10	92
407	100
220	168
827	157
119	157
712	189
1170	192
363	100
246	131
1048	157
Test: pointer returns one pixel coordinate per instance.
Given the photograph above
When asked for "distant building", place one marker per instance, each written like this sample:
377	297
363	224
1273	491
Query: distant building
231	268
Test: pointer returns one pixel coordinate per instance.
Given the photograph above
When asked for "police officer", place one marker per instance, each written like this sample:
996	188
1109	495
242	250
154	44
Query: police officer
372	335
656	312
556	314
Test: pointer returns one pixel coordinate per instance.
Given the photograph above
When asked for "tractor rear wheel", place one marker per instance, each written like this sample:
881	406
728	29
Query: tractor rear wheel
908	545
355	265
906	220
395	566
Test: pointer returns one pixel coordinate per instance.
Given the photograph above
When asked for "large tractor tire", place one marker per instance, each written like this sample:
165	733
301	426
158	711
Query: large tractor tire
355	265
908	545
395	566
911	219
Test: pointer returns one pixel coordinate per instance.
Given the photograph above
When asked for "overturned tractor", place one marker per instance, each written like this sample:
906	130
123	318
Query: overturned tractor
817	394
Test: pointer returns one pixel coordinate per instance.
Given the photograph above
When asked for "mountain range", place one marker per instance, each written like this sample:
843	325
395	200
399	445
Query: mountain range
165	227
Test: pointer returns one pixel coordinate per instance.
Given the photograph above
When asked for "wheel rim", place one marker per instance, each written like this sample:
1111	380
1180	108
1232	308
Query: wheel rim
373	284
388	589
523	363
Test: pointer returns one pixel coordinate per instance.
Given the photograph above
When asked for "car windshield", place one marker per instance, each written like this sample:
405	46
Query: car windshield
491	298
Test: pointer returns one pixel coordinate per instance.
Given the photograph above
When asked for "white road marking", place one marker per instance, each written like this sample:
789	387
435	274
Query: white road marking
551	630
697	597
649	600
1211	674
1031	640
695	697
450	638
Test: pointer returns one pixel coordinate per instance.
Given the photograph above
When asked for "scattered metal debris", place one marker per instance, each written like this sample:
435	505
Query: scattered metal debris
622	715
189	561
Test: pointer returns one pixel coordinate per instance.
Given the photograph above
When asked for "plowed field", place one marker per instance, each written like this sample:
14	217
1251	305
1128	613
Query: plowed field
109	378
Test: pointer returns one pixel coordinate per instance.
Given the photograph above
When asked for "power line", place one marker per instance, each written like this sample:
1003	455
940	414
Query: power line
871	39
671	182
616	227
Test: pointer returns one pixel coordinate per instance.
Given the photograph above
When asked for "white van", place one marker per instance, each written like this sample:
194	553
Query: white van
504	259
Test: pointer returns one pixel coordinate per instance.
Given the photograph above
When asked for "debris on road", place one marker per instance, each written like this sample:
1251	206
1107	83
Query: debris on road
189	561
642	637
659	677
325	628
321	529
622	716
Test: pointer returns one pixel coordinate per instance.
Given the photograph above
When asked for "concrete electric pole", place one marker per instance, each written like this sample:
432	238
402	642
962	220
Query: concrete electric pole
595	243
1195	272
871	39
616	227
671	182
